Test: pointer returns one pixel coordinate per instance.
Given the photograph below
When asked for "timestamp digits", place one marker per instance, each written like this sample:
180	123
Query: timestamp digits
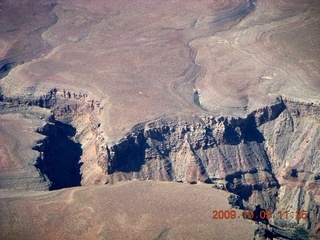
259	215
224	214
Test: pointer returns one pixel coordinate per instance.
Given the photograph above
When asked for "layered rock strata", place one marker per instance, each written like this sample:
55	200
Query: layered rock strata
261	157
248	156
197	80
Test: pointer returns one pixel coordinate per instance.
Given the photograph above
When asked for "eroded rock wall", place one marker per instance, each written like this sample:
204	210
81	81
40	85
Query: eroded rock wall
292	141
205	149
270	158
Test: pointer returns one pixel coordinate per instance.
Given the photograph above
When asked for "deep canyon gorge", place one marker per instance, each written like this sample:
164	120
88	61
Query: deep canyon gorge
118	104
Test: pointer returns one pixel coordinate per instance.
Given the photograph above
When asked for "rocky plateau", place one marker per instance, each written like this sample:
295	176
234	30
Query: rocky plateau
95	95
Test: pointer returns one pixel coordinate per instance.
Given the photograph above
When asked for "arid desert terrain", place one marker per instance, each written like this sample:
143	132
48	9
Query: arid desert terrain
137	119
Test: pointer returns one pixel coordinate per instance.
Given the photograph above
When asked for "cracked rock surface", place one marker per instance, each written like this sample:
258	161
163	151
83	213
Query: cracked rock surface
223	92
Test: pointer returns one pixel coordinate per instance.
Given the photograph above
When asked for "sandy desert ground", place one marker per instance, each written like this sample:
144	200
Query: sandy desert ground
239	55
131	210
134	77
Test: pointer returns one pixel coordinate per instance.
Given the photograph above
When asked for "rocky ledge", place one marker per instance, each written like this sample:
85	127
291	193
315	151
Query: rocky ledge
260	158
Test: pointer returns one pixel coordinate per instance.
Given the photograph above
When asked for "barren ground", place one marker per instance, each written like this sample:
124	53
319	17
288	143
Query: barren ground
131	210
142	60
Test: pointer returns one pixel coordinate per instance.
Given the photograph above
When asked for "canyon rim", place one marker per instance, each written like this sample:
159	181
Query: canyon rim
124	100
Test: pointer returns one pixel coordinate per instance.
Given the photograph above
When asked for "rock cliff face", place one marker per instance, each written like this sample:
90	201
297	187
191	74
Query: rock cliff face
262	158
292	142
203	149
179	74
59	148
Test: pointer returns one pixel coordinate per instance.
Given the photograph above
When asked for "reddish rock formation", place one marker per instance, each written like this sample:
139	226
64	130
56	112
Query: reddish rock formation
223	92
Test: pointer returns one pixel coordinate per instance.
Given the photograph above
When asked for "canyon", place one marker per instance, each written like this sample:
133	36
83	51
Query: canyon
167	105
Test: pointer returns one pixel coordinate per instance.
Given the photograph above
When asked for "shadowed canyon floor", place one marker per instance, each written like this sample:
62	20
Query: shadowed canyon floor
225	92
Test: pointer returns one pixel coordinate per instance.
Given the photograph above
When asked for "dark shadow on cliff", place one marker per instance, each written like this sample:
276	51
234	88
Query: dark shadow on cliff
5	68
249	133
59	156
129	154
231	17
252	134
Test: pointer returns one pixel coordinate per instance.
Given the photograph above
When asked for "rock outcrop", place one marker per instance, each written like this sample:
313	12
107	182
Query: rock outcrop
198	81
261	158
292	142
